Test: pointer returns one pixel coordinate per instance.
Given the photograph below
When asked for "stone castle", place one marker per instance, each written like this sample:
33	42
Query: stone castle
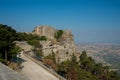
63	48
45	31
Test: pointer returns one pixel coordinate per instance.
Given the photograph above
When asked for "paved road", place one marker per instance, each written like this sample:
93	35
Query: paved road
8	74
34	72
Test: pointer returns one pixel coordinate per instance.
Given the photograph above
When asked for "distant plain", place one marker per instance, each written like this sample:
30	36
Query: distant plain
108	54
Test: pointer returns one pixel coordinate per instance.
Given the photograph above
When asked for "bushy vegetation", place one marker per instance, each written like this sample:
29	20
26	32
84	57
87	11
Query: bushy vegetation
34	42
8	49
37	48
84	69
43	38
59	34
8	36
27	37
50	61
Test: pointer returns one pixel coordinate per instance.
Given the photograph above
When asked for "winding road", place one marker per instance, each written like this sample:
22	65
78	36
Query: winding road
34	71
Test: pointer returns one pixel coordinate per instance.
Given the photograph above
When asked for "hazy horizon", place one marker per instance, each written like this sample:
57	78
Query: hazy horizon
91	21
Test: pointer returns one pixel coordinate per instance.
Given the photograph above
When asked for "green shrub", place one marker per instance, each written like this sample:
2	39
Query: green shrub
43	38
59	34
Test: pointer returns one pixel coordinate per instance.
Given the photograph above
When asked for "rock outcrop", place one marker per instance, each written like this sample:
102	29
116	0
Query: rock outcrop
63	47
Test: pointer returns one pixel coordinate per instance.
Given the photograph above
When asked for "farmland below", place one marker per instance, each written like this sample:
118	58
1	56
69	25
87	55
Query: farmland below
108	54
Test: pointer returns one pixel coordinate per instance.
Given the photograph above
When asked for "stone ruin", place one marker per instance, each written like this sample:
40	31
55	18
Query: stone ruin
63	48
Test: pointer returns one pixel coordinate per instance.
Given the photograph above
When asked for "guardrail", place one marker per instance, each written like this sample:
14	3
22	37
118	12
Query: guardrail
43	66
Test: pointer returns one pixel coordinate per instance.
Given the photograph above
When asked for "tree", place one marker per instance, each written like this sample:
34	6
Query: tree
83	56
114	75
58	34
15	51
7	38
72	73
74	59
62	68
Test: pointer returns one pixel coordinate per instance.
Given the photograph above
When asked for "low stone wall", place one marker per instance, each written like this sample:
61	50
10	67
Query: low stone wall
8	74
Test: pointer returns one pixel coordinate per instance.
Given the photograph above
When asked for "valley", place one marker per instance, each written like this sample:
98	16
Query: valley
108	54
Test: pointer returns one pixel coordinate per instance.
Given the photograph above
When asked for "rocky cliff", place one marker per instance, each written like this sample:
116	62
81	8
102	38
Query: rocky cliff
63	46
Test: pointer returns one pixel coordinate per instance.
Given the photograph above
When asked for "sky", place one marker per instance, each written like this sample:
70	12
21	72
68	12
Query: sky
96	21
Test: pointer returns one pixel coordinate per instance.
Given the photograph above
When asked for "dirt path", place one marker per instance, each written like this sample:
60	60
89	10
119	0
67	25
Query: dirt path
34	72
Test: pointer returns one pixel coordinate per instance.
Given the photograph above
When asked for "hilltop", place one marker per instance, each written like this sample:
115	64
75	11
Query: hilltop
57	41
